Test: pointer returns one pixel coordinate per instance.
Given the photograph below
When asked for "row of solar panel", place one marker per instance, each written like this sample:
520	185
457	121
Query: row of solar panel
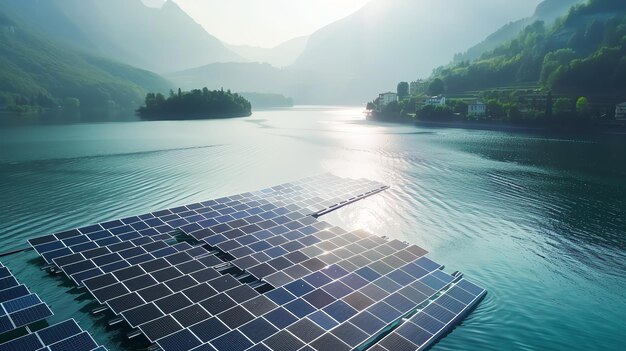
329	309
429	324
275	241
63	336
112	260
82	268
358	247
18	307
208	213
146	314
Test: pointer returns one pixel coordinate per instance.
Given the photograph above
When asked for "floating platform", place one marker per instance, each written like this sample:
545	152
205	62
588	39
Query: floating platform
262	271
23	326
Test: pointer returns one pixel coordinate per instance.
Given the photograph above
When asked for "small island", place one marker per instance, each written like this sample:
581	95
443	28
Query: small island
195	104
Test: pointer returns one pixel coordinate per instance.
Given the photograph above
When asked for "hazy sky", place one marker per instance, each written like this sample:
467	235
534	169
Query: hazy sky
268	23
265	23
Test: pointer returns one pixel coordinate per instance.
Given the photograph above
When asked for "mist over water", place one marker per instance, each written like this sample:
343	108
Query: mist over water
538	220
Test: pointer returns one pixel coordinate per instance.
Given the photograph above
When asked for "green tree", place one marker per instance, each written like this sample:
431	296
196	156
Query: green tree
403	90
582	107
436	87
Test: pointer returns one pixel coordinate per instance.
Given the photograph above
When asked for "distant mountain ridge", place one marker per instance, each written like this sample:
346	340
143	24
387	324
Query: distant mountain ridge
36	69
163	39
280	56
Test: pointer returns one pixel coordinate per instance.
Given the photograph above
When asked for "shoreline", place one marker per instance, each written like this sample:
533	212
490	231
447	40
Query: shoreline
588	127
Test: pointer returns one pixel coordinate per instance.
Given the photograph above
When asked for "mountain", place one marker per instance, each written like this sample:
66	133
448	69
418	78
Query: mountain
279	56
254	77
583	53
547	11
391	40
161	39
37	69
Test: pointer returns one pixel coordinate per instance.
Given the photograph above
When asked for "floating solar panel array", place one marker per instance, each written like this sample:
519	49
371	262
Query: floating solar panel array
260	271
21	309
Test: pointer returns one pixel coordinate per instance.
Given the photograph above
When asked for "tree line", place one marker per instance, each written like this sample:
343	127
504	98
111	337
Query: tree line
197	103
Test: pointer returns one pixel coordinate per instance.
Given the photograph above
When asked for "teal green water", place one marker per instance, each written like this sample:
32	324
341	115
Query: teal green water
538	220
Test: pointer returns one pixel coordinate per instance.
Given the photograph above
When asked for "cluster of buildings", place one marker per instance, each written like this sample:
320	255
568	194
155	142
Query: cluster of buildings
476	108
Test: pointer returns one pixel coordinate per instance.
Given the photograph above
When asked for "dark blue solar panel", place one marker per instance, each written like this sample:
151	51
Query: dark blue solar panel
451	304
30	315
384	312
439	313
317	279
281	318
368	273
12	293
21	303
368	322
323	320
25	343
461	295
414	333
427	264
299	287
232	341
280	296
300	308
470	287
179	341
80	342
427	322
5	324
258	329
58	332
340	311
209	329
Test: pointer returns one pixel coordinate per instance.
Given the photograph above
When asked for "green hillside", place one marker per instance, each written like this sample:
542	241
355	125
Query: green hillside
584	53
37	70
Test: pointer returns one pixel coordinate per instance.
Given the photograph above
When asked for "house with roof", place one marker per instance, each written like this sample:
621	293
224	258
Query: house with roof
438	100
386	98
477	109
620	111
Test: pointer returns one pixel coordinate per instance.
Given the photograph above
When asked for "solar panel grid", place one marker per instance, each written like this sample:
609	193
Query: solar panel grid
18	307
329	276
431	322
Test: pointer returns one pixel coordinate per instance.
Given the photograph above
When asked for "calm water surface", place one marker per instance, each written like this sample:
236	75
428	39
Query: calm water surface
539	220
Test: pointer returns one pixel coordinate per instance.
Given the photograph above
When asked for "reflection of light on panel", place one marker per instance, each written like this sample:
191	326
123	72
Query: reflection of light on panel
255	268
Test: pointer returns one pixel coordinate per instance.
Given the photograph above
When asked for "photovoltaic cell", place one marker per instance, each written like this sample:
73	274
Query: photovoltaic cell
317	286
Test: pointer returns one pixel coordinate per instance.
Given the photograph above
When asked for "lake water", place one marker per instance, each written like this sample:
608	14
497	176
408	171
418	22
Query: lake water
538	220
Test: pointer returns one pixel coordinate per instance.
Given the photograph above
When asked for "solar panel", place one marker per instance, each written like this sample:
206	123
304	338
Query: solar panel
20	308
261	269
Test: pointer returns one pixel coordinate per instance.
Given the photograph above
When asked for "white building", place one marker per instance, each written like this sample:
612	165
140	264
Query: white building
385	98
438	100
417	87
620	111
477	108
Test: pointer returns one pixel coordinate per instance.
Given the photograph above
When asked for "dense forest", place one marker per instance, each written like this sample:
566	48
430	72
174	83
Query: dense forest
195	104
583	53
38	72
